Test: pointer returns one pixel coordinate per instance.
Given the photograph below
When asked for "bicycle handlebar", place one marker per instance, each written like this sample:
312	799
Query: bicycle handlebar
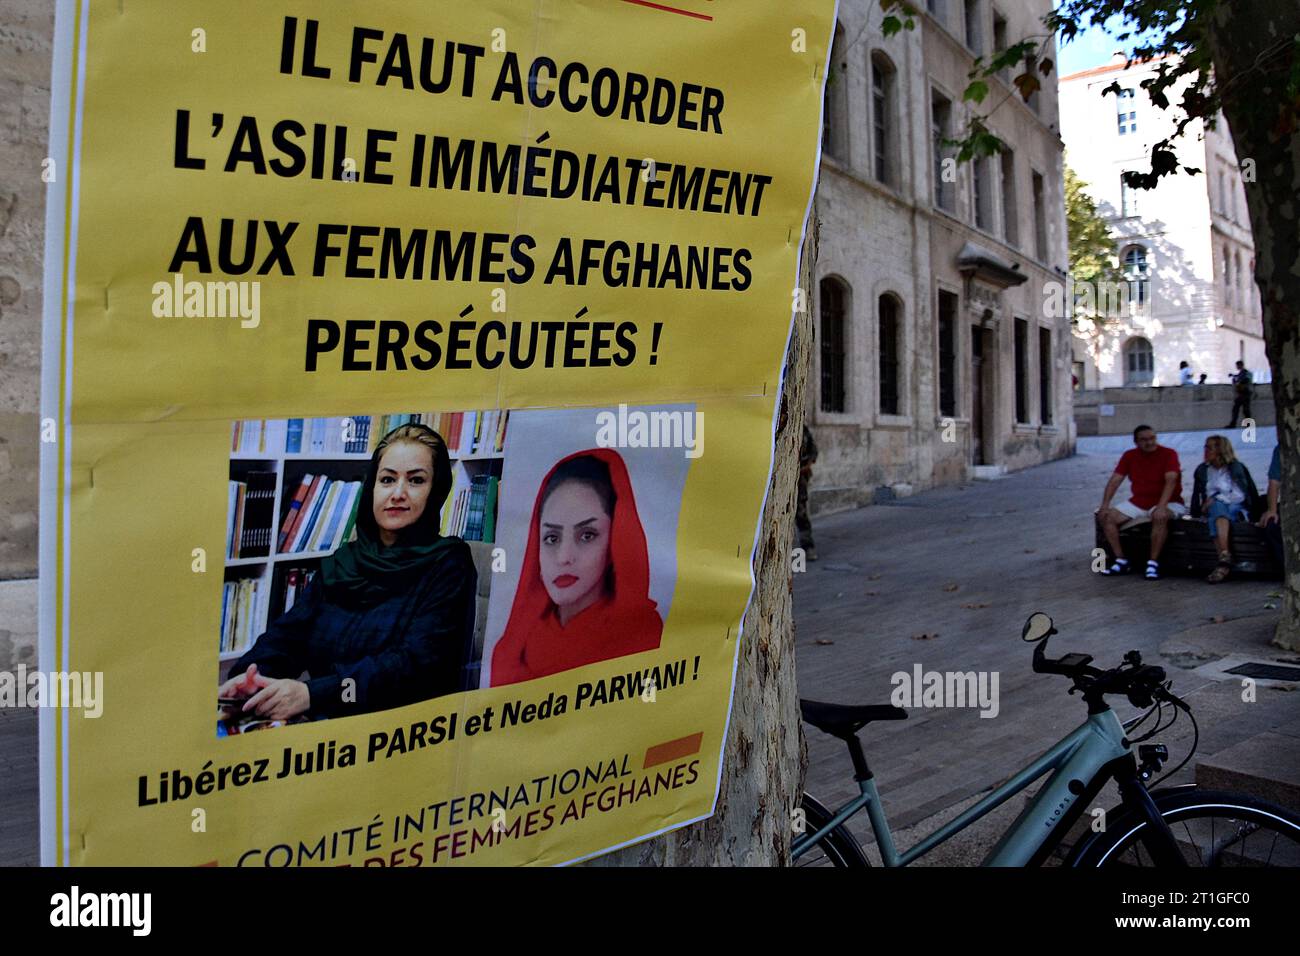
1142	684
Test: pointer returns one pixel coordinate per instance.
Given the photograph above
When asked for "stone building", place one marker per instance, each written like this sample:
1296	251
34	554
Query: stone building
936	360
1186	245
26	32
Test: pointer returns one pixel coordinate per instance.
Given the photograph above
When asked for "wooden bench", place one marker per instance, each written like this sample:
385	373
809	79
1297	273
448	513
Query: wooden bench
1190	549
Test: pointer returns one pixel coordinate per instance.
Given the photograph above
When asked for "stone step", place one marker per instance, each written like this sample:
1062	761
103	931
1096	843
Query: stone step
1265	766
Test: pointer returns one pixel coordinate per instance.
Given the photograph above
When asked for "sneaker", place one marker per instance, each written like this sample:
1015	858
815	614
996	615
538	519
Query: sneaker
1121	566
1153	571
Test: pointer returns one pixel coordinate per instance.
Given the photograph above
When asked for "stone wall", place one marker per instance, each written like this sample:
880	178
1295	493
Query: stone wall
26	38
1117	411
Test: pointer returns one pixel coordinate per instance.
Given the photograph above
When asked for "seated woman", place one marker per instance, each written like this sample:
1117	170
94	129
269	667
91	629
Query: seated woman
584	586
1222	492
390	613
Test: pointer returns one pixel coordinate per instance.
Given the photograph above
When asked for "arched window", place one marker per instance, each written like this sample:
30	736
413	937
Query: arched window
1139	362
890	331
1135	267
833	299
883	124
835	107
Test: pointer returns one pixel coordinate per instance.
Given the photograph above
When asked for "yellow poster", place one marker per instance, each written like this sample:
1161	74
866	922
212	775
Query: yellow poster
412	371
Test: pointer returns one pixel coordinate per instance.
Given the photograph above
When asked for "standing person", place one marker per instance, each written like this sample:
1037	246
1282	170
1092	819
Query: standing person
391	612
1185	376
1201	380
1243	390
807	457
1270	522
1156	495
1222	492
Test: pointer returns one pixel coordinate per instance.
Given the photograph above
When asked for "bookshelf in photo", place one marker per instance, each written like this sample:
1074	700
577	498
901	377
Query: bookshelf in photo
295	490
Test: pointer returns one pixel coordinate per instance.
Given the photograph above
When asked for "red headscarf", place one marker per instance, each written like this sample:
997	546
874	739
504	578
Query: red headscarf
535	644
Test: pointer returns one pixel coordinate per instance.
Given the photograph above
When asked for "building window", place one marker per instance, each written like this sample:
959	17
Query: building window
947	353
940	117
1128	200
1135	267
882	119
974	36
889	365
1228	287
1031	67
1126	108
1139	362
835	106
1223	193
834	301
982	178
1000	41
1010	214
1045	375
1040	218
1241	281
1022	371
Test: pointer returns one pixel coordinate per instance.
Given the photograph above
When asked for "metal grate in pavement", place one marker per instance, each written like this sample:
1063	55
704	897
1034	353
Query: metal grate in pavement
1266	671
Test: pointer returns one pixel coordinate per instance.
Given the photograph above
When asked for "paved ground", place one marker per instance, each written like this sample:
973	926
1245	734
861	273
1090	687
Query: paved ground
947	578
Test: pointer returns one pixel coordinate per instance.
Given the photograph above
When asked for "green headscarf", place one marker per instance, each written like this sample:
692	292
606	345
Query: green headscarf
364	572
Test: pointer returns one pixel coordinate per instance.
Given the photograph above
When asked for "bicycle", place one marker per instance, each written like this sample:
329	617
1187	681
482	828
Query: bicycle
1175	826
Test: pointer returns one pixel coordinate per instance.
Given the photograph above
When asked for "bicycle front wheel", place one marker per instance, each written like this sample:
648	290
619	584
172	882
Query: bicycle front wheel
837	848
1211	828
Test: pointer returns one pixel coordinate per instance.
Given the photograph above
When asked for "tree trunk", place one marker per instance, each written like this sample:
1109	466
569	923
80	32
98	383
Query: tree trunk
1253	44
763	760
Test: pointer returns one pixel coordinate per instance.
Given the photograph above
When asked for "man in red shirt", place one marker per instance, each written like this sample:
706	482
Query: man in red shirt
1156	495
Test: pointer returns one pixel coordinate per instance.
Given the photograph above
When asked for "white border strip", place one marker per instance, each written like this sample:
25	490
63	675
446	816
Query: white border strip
51	388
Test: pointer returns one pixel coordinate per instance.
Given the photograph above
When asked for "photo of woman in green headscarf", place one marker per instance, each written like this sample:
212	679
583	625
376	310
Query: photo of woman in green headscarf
389	620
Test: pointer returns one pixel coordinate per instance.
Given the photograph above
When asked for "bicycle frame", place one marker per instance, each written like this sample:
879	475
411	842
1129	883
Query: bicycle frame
1076	763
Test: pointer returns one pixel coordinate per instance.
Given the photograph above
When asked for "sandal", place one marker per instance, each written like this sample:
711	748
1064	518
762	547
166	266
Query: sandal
1119	567
1153	571
1221	571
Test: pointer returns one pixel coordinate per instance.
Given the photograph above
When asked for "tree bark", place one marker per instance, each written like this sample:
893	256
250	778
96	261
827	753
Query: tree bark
1254	51
763	758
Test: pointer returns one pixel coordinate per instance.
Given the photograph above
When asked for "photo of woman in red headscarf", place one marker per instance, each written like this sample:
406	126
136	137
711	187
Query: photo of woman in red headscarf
583	593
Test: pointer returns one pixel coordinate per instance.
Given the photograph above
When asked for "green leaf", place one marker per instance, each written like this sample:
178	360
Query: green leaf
976	91
891	25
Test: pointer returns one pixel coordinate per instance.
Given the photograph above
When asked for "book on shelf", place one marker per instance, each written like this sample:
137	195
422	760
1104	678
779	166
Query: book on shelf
258	436
465	433
294	510
249	533
471	509
242	604
295	583
323	519
490	510
303	516
232	510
